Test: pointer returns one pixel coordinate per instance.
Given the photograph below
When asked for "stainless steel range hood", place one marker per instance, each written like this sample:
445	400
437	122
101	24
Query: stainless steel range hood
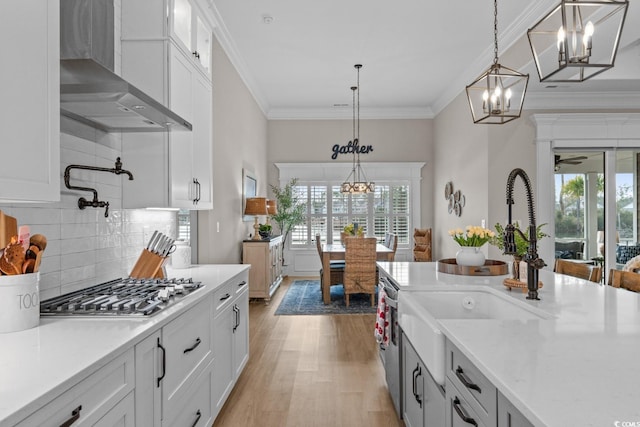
90	91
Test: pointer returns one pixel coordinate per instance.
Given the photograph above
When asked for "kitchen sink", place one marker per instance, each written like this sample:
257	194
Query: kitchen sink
422	310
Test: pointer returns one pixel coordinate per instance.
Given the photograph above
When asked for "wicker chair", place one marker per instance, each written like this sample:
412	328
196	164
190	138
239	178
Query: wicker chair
579	269
624	279
391	242
337	267
360	267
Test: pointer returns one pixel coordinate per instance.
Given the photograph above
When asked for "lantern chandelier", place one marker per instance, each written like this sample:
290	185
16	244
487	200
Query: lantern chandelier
356	182
578	39
496	97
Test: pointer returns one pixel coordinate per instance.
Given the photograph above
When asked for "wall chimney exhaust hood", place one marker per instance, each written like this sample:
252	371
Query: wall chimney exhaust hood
90	92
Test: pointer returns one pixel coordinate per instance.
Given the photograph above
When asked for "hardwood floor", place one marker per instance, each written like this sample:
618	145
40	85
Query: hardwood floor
309	371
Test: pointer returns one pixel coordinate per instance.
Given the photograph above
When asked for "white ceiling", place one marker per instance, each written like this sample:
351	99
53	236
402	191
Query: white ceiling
417	55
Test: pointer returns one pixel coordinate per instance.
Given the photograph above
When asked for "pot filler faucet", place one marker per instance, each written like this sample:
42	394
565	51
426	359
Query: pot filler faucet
95	203
534	262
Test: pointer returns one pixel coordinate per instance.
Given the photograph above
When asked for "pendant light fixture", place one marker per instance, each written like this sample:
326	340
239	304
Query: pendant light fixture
496	97
356	182
578	39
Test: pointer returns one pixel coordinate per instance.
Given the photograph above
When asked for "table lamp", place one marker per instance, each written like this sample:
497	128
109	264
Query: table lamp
256	206
272	209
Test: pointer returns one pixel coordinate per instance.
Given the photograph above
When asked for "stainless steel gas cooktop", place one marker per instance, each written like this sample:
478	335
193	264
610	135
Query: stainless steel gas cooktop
120	297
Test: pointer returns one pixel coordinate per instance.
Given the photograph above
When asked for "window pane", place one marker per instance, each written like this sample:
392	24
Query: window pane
401	199
381	199
319	226
318	199
299	235
340	202
337	225
359	204
401	228
380	227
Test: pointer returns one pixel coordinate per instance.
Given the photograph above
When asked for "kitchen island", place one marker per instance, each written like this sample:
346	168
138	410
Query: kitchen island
577	367
40	367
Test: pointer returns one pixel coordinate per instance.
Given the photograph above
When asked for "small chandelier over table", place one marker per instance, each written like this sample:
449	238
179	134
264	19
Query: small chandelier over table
578	39
496	97
356	182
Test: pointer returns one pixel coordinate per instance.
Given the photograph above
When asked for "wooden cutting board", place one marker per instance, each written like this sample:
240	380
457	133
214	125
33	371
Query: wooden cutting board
8	229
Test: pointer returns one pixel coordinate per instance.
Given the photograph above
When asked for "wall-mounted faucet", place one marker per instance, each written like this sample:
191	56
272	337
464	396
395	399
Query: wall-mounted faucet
95	203
534	262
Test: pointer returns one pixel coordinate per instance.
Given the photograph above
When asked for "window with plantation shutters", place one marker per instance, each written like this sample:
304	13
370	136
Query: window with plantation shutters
328	211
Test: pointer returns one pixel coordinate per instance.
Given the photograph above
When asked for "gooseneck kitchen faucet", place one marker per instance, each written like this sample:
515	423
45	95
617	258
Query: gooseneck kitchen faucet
534	262
95	203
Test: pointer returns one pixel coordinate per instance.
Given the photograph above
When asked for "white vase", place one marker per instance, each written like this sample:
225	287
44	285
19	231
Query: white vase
470	256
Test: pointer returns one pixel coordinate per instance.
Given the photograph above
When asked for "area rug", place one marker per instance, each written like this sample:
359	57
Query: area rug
305	297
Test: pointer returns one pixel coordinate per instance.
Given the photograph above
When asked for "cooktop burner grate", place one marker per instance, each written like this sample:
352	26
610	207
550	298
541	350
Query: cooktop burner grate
120	297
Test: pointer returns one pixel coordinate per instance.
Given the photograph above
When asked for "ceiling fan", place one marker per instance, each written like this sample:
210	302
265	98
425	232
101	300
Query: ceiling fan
569	161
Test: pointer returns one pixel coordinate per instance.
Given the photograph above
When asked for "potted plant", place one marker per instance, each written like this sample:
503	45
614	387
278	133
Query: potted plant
522	245
265	231
470	241
290	209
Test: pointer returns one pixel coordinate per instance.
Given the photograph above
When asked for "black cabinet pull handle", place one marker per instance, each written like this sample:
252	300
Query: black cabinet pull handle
75	415
467	383
193	347
164	363
241	284
198	190
225	297
467	419
416	373
199	414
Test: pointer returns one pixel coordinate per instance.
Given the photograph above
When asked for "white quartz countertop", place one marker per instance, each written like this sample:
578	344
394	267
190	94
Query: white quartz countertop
579	368
40	363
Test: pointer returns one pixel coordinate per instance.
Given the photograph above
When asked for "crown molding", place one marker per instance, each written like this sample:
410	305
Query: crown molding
582	101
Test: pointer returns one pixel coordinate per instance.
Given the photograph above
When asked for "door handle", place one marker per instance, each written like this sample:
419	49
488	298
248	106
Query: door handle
193	347
467	419
75	415
465	381
164	363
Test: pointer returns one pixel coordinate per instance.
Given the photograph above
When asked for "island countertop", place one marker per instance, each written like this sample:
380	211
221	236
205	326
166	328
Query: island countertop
40	363
581	367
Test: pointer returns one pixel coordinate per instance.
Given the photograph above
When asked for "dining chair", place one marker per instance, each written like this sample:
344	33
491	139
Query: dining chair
391	242
360	267
336	267
624	279
581	270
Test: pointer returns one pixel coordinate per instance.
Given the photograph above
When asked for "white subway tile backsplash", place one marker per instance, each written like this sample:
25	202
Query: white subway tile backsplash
83	247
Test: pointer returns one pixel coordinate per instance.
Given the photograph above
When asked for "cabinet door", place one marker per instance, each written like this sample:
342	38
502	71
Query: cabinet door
203	45
509	416
123	414
241	333
222	356
413	379
30	115
181	17
435	405
202	141
148	355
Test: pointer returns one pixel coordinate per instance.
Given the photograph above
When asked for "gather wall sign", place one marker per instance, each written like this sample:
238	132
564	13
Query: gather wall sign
350	148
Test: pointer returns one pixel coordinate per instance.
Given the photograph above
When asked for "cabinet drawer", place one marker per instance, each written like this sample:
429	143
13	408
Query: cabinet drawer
460	412
187	343
194	408
480	393
96	396
227	292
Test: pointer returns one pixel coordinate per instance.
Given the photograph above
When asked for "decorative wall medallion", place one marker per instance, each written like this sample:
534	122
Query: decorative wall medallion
455	199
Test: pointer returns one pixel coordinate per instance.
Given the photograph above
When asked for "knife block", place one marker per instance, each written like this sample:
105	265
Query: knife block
149	266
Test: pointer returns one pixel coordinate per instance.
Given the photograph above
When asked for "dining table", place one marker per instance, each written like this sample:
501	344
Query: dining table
336	251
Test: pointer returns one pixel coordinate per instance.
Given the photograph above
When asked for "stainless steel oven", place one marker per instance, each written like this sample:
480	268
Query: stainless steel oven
390	355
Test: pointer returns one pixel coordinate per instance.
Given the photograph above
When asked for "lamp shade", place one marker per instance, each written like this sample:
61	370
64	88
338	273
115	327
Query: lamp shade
272	207
256	206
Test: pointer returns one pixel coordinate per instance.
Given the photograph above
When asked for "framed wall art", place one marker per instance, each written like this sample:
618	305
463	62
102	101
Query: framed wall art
249	189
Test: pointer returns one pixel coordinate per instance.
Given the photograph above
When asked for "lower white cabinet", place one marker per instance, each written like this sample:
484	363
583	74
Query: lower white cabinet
508	415
423	399
102	397
231	337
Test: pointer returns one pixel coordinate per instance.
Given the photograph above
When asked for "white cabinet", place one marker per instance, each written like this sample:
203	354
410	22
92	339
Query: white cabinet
174	169
423	399
30	113
265	257
94	400
508	415
231	337
191	32
172	365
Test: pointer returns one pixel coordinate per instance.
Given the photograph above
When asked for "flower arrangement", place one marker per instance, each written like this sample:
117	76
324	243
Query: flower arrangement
473	236
353	230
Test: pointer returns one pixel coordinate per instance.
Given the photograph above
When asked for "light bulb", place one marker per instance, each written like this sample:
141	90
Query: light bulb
497	91
561	36
485	95
588	29
507	94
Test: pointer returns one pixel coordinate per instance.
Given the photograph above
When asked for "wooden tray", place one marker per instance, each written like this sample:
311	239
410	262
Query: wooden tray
513	283
490	268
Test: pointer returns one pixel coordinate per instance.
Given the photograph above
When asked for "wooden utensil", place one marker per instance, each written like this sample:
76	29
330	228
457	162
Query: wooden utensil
8	229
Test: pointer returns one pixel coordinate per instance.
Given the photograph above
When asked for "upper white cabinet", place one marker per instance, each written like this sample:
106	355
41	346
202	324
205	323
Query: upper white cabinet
175	168
30	115
192	34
